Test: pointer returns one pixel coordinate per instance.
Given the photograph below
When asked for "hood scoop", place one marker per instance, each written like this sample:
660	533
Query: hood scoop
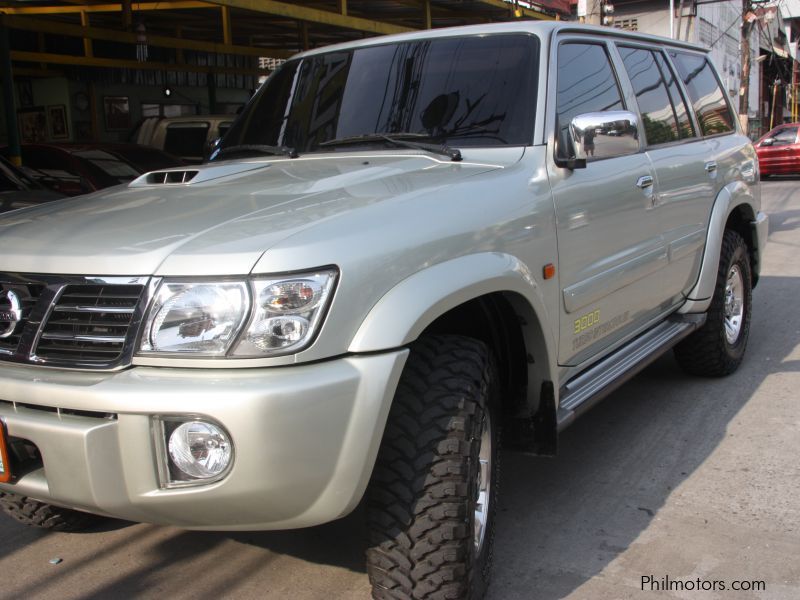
169	177
195	175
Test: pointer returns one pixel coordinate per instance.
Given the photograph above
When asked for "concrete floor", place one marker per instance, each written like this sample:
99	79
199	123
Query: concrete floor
671	476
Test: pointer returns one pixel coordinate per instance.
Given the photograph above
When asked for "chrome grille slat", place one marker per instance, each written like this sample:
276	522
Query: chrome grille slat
96	322
94	309
84	338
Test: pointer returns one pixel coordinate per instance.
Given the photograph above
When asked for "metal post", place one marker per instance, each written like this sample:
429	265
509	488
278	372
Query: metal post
211	80
774	103
14	151
744	84
672	19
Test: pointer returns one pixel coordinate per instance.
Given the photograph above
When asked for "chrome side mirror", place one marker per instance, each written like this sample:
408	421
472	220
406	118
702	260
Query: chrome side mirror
599	135
767	142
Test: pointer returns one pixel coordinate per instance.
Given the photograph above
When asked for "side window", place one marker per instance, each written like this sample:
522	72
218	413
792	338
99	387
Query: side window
707	97
658	115
679	105
786	136
186	139
585	83
7	184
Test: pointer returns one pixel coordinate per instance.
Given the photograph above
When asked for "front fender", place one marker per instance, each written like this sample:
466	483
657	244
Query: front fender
406	310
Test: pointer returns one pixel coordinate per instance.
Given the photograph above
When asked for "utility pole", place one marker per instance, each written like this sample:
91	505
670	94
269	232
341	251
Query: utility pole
744	89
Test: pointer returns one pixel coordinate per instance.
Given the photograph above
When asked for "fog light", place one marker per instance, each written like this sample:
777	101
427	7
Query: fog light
196	451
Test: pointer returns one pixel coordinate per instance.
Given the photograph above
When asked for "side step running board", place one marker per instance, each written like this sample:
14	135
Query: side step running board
587	389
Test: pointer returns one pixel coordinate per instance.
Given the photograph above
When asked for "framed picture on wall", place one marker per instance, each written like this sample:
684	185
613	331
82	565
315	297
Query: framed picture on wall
117	111
57	122
32	124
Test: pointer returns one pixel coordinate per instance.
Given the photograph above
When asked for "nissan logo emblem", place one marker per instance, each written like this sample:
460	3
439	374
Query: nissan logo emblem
11	316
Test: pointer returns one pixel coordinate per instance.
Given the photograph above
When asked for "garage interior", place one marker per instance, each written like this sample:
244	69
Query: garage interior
89	71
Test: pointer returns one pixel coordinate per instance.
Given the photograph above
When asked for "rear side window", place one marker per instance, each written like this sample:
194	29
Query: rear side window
186	139
658	115
707	97
586	84
678	101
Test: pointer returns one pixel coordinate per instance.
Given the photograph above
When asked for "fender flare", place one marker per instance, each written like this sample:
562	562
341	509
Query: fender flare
404	312
732	196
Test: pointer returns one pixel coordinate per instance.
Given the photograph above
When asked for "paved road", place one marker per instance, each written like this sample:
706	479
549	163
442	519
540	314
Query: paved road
672	476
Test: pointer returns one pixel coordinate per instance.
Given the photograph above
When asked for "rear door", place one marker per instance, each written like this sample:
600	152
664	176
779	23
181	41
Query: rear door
610	249
730	157
682	160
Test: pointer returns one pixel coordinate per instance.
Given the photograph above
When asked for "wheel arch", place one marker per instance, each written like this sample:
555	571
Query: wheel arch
492	297
733	209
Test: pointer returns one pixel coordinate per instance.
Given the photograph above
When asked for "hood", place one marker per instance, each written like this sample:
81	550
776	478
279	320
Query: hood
215	219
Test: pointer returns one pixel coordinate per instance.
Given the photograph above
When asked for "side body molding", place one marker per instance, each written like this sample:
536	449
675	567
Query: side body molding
407	309
730	197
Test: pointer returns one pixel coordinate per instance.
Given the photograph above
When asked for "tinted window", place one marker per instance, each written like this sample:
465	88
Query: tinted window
145	158
186	139
14	179
685	127
107	167
658	116
787	135
46	158
470	91
586	83
6	183
707	97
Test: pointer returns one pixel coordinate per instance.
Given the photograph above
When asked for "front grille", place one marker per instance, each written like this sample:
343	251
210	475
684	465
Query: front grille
79	322
89	323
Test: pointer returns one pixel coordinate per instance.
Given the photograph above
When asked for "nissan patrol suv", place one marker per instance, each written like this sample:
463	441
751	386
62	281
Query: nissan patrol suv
401	245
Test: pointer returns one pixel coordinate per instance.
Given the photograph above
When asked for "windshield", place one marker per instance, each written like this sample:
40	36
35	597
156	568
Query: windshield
108	166
11	178
468	91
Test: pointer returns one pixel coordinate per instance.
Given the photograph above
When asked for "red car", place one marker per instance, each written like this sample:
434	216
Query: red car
74	169
779	151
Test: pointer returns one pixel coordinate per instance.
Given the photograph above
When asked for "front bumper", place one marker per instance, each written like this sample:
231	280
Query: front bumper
305	437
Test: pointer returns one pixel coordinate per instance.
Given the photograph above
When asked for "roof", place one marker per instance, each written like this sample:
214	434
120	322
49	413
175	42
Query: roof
543	29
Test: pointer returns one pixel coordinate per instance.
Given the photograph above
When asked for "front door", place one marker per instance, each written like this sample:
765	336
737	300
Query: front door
610	247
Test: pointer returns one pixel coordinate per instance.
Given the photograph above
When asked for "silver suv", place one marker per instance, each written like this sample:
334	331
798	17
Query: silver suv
401	245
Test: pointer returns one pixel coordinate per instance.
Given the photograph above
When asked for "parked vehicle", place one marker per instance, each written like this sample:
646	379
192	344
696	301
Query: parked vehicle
779	151
17	190
143	158
401	244
189	137
74	169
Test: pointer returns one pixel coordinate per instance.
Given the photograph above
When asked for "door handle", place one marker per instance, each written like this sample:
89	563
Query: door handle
711	166
645	181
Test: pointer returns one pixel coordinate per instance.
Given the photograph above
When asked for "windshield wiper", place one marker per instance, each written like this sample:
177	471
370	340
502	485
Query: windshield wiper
259	149
399	139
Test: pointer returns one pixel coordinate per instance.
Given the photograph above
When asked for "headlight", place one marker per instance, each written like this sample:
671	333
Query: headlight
200	318
286	313
272	316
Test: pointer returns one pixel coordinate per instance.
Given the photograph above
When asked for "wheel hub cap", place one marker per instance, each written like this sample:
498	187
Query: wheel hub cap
483	483
734	304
